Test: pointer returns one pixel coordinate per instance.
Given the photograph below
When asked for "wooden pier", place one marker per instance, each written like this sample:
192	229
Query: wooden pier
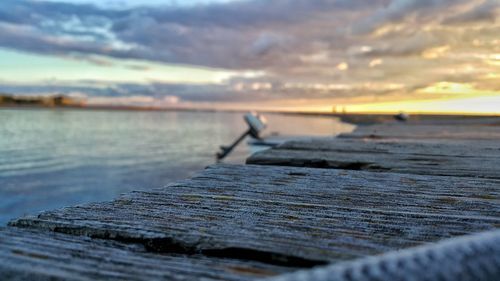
301	205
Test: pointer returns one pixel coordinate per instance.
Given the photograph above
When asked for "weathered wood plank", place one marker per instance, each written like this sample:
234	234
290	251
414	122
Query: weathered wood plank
294	216
31	255
427	131
465	158
470	258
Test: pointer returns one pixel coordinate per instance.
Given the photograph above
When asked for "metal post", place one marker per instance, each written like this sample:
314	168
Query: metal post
256	124
225	150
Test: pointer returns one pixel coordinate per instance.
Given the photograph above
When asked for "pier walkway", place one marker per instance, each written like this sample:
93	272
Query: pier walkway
342	206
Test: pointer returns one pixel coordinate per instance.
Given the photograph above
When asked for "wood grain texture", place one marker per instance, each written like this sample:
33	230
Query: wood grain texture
470	258
31	255
290	216
463	158
240	222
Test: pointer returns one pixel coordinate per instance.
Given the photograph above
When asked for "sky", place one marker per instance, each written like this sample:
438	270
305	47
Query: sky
433	56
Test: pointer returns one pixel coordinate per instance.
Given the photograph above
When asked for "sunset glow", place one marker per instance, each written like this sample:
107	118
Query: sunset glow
366	56
487	105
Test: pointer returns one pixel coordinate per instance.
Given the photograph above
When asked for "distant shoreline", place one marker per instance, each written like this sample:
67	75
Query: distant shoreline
353	118
58	102
284	112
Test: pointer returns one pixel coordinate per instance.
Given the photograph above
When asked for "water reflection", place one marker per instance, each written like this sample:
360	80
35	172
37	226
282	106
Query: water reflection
55	158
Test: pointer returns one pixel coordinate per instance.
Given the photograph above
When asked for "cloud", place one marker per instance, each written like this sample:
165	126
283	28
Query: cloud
488	11
400	10
231	35
309	49
266	42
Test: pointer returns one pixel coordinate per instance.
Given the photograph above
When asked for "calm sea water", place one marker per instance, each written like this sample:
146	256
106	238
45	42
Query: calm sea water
55	158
